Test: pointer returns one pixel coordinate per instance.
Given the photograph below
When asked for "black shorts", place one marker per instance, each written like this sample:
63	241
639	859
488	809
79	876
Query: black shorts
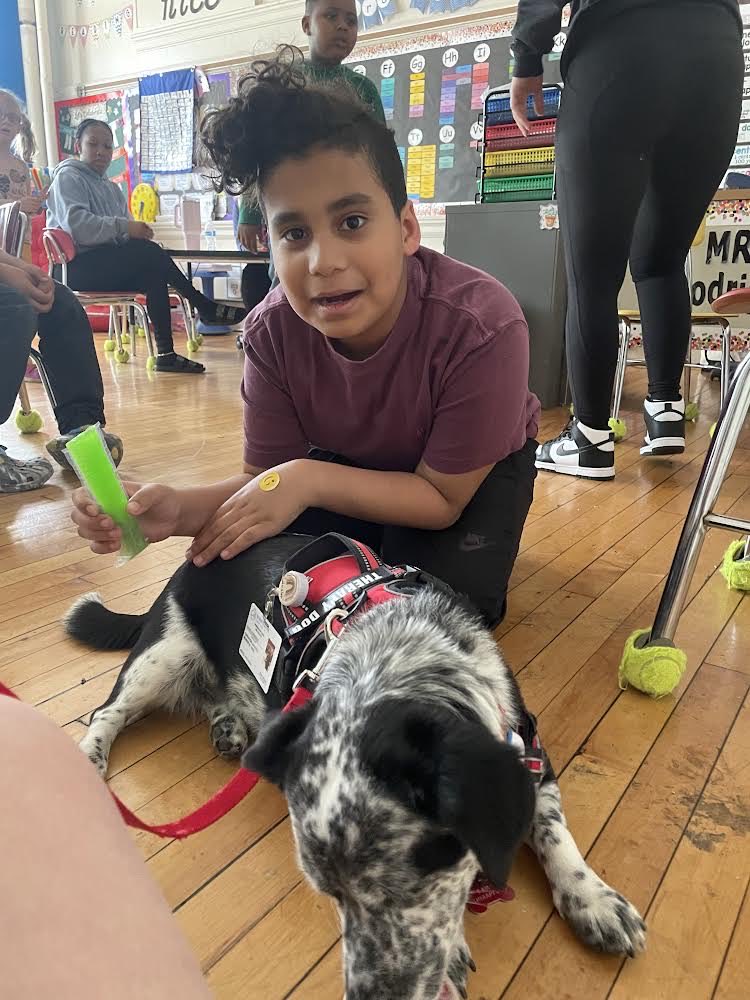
475	556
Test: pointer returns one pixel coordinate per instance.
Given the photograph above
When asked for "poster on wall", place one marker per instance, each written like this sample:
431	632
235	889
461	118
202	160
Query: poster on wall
167	107
111	108
432	88
738	174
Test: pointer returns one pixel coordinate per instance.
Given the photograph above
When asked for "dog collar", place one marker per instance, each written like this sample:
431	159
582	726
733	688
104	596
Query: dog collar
325	585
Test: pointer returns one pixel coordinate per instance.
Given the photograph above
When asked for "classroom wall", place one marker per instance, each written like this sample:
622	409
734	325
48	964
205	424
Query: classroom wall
11	65
202	32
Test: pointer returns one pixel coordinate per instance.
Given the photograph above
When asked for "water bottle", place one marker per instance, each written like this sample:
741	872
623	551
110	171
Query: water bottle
209	235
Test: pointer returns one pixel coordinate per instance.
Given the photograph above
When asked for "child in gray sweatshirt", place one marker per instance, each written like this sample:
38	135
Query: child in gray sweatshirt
115	252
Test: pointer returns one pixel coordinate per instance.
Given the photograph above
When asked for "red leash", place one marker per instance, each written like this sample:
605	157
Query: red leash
482	895
217	806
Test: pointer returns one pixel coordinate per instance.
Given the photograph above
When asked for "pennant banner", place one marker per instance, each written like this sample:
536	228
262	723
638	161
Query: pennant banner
101	30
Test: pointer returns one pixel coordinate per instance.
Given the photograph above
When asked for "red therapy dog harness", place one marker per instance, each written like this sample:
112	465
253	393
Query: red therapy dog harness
348	579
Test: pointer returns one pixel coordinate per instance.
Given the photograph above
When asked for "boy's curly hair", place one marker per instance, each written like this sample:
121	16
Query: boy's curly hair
279	115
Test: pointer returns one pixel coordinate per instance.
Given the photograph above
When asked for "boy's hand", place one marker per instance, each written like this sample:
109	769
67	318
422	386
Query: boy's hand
156	507
253	514
35	286
521	88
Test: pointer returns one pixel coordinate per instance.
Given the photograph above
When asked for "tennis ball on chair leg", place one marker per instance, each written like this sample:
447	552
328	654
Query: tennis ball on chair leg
654	669
28	423
122	356
618	427
735	569
110	345
691	412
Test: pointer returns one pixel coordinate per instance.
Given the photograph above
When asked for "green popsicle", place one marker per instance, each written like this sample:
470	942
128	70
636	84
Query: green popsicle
93	463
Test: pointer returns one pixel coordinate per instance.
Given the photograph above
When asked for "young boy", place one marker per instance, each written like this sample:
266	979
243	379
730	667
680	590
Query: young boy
386	386
332	27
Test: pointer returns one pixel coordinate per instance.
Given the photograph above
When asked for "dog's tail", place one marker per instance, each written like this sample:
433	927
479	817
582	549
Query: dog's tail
96	626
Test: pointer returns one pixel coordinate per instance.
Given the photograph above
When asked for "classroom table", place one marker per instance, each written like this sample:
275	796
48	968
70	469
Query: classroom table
215	259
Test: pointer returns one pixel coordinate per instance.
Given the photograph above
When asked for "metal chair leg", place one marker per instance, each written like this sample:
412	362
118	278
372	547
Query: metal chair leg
687	372
622	364
144	319
114	314
699	517
39	362
128	329
189	318
23	398
726	358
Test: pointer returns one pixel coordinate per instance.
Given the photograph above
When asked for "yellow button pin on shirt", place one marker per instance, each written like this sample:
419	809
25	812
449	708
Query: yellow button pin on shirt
270	482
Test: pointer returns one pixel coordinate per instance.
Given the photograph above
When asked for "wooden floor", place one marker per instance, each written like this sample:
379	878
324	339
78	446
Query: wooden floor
657	793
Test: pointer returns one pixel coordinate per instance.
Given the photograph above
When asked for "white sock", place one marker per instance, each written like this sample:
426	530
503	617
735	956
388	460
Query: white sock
595	436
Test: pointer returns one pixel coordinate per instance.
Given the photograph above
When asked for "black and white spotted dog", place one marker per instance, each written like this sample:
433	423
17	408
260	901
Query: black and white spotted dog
400	781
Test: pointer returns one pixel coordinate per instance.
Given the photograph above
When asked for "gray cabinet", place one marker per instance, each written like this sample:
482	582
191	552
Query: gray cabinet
505	241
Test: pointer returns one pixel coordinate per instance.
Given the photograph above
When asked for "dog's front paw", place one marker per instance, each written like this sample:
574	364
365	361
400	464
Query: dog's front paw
601	917
229	736
93	747
459	966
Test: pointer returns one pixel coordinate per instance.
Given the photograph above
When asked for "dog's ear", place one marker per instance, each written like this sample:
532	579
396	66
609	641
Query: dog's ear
455	773
274	750
485	795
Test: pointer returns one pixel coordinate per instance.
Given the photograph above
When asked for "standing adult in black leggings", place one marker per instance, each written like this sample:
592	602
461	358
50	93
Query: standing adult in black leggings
647	127
117	253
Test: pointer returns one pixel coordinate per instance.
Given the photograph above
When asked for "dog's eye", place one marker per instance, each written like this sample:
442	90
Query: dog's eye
436	852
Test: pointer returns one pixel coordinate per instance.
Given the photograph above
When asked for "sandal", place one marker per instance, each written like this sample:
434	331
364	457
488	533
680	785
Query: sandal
176	364
19	475
222	315
56	447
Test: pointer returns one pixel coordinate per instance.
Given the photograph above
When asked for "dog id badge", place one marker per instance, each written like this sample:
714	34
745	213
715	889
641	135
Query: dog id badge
260	647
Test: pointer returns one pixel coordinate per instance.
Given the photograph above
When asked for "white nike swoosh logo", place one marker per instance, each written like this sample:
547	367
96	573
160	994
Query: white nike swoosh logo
562	450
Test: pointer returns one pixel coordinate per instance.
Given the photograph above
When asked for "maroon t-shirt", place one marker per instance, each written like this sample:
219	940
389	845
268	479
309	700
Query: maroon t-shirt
449	385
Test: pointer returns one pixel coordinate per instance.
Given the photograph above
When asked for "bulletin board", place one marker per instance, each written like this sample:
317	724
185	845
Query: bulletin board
432	96
741	157
111	107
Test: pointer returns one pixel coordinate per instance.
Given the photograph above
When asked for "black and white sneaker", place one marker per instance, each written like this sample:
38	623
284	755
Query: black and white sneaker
665	427
579	451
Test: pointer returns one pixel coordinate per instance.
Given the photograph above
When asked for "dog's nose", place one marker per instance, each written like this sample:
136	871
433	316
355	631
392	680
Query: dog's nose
225	745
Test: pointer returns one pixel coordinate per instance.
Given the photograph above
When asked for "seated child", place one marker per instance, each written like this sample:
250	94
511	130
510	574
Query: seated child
385	384
30	303
116	253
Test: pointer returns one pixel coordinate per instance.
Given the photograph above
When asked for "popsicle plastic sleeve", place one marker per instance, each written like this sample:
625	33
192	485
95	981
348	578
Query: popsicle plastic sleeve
93	464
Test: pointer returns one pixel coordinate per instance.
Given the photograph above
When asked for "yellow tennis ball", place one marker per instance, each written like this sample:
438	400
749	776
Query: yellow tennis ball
618	428
735	569
28	423
656	670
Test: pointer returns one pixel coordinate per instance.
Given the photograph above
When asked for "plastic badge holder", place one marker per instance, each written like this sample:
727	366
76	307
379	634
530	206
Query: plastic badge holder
93	464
